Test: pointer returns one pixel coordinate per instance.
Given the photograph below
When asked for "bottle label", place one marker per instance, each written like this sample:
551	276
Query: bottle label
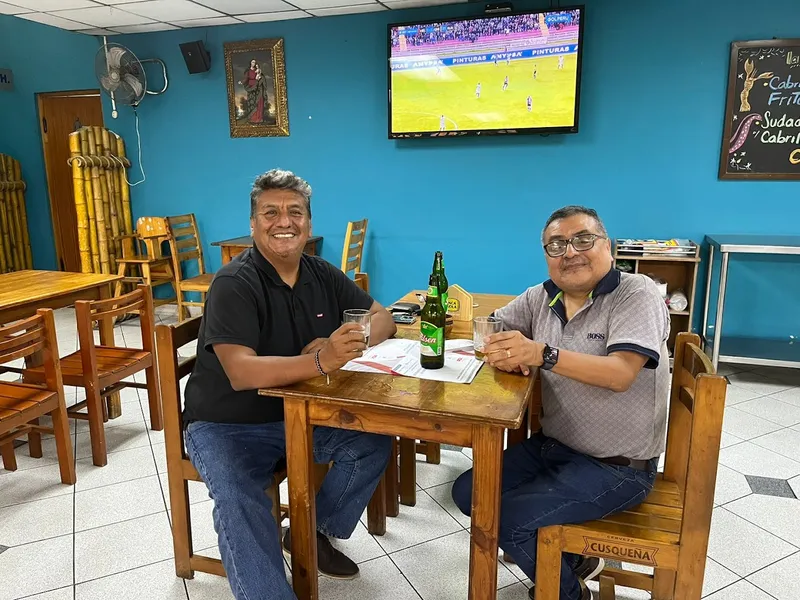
433	291
431	339
444	301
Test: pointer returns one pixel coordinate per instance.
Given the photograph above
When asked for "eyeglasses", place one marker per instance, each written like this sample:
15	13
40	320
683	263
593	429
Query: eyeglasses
581	242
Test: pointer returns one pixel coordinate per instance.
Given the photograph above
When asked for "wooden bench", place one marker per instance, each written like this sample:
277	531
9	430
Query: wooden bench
669	530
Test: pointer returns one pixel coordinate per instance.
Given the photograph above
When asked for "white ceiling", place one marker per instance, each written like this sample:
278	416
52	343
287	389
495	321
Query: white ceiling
109	17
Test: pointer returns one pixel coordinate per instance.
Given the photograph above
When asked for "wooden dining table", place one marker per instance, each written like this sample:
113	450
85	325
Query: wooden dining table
22	293
472	415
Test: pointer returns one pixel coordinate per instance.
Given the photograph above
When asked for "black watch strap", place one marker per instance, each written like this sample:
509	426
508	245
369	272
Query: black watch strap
549	357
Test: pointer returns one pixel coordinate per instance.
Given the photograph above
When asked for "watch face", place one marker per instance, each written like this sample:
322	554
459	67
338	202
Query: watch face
550	354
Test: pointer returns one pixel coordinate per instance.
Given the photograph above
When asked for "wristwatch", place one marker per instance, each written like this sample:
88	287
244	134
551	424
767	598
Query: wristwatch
549	357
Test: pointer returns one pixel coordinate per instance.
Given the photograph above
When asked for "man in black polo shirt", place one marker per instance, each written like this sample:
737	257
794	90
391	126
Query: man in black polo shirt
272	317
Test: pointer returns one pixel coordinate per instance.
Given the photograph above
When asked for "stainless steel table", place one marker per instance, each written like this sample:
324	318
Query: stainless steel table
752	351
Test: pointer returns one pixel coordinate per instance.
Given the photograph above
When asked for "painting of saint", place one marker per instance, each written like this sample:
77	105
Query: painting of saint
256	88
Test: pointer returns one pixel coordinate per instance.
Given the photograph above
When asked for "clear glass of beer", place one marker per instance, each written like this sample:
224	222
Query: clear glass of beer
360	316
482	327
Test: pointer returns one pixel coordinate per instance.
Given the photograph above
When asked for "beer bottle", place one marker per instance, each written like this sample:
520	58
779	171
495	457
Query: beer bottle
438	268
432	323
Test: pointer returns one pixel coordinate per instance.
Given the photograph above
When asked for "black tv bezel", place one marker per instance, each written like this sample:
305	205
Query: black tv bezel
487	132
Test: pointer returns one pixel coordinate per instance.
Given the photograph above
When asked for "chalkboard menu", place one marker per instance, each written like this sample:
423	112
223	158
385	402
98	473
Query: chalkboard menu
762	117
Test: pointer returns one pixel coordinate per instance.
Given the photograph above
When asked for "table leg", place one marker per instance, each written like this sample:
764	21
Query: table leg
226	254
302	509
376	509
487	454
393	482
723	282
408	471
106	327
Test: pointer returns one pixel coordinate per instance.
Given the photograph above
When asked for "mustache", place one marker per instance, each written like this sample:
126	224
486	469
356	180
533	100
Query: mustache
568	264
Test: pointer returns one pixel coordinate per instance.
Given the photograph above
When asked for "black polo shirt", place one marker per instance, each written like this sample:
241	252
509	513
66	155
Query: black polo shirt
248	304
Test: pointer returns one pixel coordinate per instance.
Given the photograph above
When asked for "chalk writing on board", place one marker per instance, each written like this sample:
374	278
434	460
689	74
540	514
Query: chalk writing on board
762	120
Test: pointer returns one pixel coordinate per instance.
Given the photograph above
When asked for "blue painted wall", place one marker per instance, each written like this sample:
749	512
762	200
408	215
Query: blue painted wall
44	59
646	156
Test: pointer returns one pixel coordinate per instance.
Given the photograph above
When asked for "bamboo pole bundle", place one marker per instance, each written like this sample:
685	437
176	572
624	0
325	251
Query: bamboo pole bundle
81	210
15	251
23	213
112	200
5	233
102	198
98	141
99	209
125	191
86	171
14	225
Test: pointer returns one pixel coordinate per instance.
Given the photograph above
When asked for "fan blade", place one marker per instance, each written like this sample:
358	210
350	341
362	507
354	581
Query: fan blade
108	83
114	57
136	86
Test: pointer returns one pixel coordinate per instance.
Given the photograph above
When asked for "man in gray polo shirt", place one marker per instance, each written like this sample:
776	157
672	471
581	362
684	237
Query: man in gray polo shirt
599	338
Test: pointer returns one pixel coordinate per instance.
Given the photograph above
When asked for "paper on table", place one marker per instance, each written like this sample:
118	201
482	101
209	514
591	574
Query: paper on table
401	357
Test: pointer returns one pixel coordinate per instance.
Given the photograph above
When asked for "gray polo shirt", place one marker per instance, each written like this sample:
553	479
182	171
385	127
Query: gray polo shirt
624	312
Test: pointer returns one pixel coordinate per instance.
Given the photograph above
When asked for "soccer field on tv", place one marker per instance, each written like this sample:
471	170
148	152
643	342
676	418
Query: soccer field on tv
421	96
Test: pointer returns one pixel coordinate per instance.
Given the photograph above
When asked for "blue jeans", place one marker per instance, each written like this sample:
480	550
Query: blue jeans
545	483
236	461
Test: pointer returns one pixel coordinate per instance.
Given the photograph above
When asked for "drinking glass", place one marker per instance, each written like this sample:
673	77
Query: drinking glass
360	316
482	327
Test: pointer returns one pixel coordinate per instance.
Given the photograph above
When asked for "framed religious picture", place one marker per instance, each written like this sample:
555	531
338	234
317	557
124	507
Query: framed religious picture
256	74
761	138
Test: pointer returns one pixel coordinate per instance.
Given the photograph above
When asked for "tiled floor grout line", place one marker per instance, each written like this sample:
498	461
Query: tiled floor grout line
762	529
396	566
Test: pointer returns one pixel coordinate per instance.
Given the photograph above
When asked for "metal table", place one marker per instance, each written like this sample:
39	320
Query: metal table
749	351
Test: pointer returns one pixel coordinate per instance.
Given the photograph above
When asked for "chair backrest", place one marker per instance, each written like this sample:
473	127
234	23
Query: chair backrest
169	339
697	405
152	232
139	301
184	243
362	281
23	338
354	245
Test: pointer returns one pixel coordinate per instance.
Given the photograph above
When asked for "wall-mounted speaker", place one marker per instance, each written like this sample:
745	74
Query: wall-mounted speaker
198	60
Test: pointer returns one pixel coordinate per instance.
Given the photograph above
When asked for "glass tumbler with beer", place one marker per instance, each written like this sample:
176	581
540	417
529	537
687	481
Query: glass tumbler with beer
483	327
360	316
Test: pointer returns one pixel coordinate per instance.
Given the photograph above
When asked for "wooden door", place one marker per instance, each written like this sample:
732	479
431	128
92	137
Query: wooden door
60	114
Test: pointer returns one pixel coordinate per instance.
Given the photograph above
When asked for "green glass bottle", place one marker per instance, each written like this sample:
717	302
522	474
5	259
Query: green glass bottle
432	323
438	268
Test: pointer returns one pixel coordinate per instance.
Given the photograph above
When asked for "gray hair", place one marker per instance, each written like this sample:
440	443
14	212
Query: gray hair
278	179
571	211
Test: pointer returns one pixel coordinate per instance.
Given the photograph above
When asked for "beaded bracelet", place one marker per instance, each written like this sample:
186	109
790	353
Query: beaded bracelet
319	367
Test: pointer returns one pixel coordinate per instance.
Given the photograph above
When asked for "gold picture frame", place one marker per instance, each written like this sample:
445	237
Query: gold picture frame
256	74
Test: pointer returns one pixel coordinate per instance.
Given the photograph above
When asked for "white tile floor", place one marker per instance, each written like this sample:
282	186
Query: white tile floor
108	538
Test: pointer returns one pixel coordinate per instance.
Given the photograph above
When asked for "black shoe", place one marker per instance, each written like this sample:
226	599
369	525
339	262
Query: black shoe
589	567
330	561
586	593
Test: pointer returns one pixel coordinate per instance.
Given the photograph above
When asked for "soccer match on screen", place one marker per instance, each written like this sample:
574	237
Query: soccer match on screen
503	72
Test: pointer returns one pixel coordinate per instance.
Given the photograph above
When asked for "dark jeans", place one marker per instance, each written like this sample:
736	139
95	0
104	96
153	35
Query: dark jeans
546	483
237	461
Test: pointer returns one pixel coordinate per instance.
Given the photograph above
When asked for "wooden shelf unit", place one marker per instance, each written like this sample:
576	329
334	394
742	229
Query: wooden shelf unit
679	271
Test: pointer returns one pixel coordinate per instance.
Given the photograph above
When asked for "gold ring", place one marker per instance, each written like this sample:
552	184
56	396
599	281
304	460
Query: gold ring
508	353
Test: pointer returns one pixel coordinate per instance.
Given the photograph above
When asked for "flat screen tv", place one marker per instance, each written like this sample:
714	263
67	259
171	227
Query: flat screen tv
502	74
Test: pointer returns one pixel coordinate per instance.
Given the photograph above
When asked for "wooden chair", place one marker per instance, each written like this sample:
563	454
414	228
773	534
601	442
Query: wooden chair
156	269
180	470
184	244
21	404
102	369
669	530
353	250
